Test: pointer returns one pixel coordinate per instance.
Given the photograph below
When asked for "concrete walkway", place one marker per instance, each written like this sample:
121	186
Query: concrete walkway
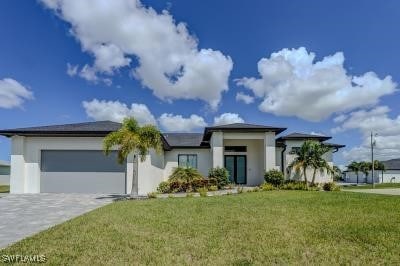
27	214
384	191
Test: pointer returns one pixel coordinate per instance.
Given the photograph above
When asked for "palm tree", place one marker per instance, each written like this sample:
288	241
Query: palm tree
132	138
354	167
318	162
337	172
304	159
379	166
365	167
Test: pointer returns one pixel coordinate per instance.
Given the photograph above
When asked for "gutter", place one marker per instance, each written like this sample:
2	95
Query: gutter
282	161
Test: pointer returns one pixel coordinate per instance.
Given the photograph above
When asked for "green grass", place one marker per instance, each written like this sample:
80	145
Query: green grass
275	227
4	189
369	186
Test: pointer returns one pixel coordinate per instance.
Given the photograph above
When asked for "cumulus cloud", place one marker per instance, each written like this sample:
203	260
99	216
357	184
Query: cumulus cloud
227	118
178	123
378	121
169	60
13	94
292	84
117	111
247	99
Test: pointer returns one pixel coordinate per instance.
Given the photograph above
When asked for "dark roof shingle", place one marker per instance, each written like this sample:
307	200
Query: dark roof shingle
296	135
185	139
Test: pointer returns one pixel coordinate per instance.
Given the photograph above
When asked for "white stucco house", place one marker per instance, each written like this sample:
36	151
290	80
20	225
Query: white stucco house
69	158
390	175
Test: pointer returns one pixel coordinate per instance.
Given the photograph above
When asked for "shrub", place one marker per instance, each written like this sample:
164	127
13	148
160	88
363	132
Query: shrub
185	174
212	188
189	195
152	195
267	187
240	190
331	186
164	187
294	185
202	191
221	175
274	177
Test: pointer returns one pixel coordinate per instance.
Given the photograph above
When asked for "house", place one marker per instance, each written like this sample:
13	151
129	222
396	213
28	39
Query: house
4	173
390	175
69	158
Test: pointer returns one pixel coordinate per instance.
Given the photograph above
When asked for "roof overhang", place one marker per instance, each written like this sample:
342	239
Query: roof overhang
209	130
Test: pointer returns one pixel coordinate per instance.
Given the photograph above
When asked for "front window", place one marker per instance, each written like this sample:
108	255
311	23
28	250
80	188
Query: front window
295	150
187	160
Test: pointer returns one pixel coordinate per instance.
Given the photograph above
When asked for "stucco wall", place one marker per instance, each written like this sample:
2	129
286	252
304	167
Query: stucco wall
204	160
389	176
4	179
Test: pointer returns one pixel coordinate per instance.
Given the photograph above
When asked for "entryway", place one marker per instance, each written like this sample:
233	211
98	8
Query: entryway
236	166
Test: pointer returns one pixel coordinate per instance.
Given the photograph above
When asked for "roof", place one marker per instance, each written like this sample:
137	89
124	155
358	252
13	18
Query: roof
185	140
99	128
334	145
301	136
393	164
4	163
240	127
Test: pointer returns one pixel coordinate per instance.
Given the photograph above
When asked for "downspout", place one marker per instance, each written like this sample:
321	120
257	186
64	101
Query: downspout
282	162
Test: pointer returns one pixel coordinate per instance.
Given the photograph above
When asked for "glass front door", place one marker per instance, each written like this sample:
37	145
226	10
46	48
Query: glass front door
236	166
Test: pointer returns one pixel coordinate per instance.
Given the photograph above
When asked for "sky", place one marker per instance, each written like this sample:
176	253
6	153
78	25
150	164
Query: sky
320	67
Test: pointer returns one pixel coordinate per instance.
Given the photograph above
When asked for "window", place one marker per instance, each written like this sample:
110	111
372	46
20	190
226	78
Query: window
235	148
187	160
294	150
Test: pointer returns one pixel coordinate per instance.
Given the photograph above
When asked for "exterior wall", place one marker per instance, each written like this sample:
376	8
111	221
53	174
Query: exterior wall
389	176
4	179
217	149
320	177
150	173
254	154
204	160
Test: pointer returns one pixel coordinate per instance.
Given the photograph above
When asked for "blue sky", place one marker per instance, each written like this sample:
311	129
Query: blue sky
37	44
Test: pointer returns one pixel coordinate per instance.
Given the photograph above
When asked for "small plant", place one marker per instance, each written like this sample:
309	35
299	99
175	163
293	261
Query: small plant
221	175
152	195
164	187
331	186
240	190
185	174
267	187
212	188
274	177
171	195
202	191
294	185
189	195
256	189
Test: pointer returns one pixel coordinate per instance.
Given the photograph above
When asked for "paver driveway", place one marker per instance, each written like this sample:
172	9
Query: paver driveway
26	214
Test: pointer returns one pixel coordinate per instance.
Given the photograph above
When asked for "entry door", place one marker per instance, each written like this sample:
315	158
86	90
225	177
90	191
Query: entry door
236	166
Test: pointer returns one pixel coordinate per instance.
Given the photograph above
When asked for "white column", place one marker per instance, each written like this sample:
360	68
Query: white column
17	175
269	151
217	149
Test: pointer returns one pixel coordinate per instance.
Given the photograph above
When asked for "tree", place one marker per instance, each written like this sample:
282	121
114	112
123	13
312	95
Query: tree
355	167
365	167
132	138
337	173
303	159
318	162
379	166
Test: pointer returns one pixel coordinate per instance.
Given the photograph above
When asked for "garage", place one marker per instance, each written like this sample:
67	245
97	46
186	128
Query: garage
81	171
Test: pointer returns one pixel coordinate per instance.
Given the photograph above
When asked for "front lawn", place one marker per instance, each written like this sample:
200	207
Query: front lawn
369	186
278	227
4	189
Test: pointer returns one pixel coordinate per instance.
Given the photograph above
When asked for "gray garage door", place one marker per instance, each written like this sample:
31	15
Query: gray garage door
81	171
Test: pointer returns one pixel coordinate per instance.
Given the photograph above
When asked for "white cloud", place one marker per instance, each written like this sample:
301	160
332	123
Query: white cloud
227	118
13	94
169	60
117	111
178	123
72	70
247	99
378	121
292	84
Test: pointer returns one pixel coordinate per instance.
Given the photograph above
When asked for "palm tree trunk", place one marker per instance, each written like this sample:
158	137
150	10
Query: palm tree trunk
357	177
313	177
305	176
134	190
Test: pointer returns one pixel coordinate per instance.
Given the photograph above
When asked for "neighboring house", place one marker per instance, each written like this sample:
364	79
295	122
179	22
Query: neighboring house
69	158
4	173
390	175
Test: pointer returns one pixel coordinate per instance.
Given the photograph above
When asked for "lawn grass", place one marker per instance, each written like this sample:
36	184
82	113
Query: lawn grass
369	186
4	189
276	227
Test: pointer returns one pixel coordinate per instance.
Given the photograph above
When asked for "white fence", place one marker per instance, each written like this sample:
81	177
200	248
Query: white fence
389	176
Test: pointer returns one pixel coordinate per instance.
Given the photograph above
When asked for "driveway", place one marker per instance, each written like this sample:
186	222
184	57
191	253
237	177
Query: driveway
27	214
384	191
